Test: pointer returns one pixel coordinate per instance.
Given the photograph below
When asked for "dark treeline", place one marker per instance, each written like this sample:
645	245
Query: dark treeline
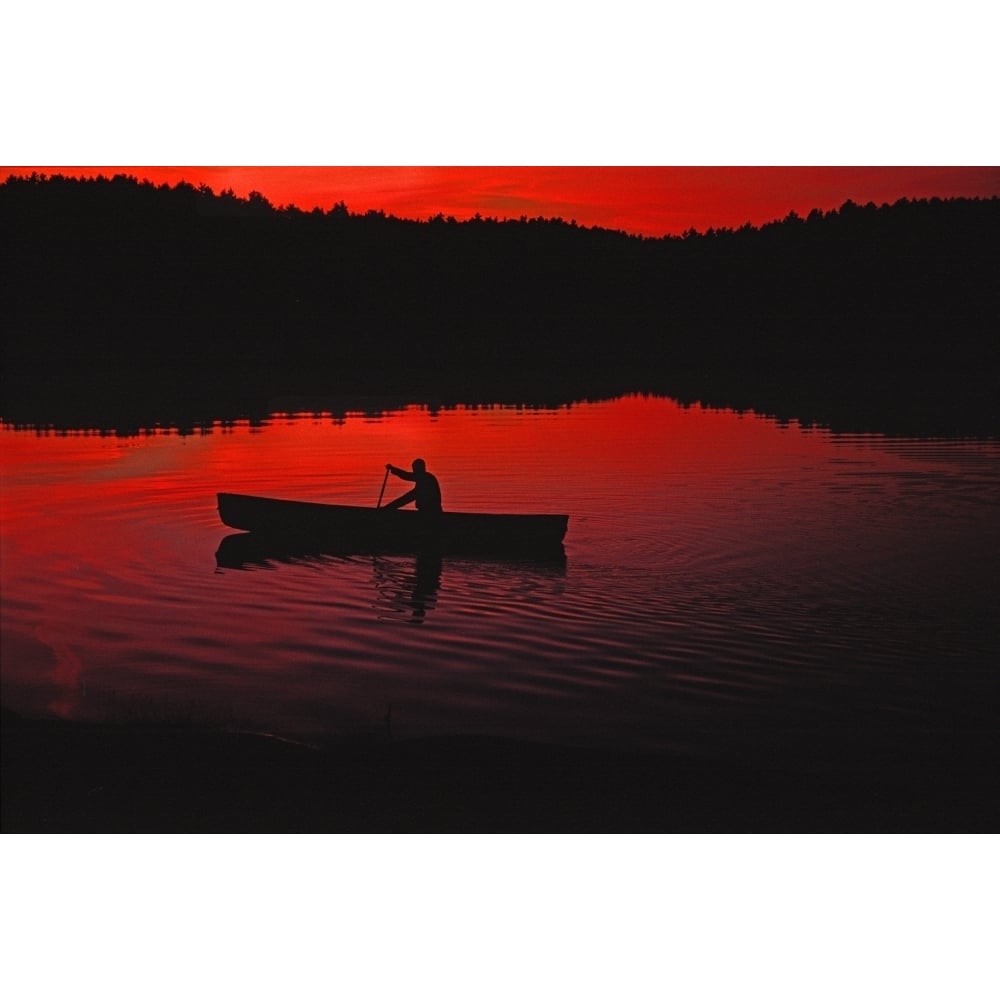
126	300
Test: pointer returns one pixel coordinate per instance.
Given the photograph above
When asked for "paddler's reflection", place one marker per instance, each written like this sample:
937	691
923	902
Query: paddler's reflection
407	589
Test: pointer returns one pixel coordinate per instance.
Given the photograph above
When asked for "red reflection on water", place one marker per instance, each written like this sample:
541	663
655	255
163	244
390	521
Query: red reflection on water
108	542
479	454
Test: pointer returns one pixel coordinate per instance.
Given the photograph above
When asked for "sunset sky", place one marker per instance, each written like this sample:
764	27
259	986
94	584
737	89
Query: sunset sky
652	201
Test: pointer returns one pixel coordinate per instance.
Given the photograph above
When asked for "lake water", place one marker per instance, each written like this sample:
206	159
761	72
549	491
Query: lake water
725	575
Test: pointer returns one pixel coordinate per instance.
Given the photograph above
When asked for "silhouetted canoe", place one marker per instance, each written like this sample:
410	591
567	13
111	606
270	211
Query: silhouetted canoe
338	527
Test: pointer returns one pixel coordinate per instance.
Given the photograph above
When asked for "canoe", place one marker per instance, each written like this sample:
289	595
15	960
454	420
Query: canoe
338	527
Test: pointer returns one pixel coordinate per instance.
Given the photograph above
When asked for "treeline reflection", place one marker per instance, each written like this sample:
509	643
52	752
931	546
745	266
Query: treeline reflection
129	306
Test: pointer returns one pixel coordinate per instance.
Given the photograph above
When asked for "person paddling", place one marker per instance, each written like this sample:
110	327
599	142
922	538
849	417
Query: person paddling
426	491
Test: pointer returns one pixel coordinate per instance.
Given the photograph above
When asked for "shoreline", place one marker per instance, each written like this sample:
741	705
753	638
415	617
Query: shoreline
67	777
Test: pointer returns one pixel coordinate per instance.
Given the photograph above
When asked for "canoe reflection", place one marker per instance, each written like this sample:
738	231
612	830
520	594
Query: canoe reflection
407	591
243	549
406	585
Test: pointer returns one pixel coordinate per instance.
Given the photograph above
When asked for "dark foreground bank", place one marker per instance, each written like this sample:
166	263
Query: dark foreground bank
64	777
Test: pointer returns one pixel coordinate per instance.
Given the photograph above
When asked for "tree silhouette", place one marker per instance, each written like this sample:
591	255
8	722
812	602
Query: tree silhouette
139	288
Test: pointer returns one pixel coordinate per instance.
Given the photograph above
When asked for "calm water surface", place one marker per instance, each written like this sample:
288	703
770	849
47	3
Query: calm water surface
723	573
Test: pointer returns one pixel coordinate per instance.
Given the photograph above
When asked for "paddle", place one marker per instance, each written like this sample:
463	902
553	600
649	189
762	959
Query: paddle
382	493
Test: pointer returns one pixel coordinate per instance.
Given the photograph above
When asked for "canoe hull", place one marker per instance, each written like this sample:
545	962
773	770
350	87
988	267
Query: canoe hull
339	527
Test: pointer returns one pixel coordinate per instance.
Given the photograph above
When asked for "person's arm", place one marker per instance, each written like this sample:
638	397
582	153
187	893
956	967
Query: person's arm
402	473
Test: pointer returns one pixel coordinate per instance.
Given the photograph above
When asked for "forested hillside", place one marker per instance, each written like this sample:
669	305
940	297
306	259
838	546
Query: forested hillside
123	294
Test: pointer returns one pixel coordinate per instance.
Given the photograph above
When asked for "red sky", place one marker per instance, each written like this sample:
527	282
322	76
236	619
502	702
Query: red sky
652	201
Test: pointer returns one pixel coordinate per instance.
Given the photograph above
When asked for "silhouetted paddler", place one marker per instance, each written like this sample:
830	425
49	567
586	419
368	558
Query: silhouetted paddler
426	491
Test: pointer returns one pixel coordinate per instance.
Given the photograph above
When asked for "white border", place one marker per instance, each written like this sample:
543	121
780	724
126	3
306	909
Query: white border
522	83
